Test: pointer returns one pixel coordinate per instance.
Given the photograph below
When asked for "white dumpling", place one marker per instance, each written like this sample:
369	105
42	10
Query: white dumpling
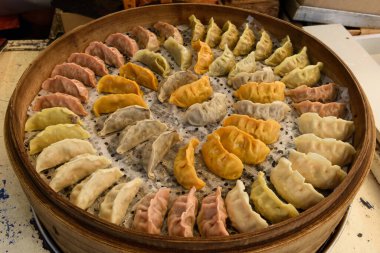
222	65
173	82
276	110
325	127
265	75
181	54
205	113
316	169
290	184
86	192
115	204
138	133
240	212
76	169
156	151
246	65
61	152
123	117
337	152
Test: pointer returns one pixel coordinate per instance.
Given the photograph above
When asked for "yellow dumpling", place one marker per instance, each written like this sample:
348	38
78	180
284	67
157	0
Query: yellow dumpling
51	116
261	92
110	103
243	145
184	170
55	133
267	131
141	75
205	57
219	161
189	94
118	85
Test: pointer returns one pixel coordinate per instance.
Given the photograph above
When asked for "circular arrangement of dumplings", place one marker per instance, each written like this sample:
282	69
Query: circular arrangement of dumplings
196	113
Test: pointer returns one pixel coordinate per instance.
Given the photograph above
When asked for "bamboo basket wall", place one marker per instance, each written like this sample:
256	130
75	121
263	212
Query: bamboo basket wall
75	230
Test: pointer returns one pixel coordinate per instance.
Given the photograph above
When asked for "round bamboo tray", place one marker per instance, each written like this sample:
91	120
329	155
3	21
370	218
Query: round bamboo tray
75	230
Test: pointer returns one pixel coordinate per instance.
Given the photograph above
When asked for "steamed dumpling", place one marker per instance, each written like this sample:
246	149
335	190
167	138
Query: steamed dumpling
173	82
167	30
181	54
265	75
140	75
189	94
308	76
245	43
110	103
117	85
155	61
246	65
213	34
285	50
205	57
198	29
264	46
223	64
299	60
230	35
324	93
276	110
261	92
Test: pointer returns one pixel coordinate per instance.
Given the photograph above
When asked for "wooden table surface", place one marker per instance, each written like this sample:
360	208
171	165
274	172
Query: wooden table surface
360	232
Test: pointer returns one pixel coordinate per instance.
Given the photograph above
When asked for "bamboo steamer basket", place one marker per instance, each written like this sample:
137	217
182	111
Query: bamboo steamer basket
75	230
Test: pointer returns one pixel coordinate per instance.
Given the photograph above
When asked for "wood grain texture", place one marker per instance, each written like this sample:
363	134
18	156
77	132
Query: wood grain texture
78	231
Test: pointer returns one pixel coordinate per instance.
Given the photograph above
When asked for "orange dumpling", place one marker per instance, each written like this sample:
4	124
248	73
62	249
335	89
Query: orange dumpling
205	57
140	75
110	103
117	85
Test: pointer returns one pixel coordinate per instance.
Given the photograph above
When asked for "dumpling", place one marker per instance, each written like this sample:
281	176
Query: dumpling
67	86
145	38
55	133
205	57
245	42
337	152
150	212
59	100
213	34
230	35
263	47
276	110
117	85
246	65
243	145
173	82
140	75
76	169
181	217
189	94
198	29
223	64
324	110
123	43
265	75
155	61
115	204
219	161
290	184
268	131
201	114
184	170
157	149
240	212
167	30
308	76
92	62
316	169
86	192
326	127
123	117
75	71
181	54
299	60
138	133
324	93
110	55
51	116
285	50
110	103
261	92
61	152
212	216
268	204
